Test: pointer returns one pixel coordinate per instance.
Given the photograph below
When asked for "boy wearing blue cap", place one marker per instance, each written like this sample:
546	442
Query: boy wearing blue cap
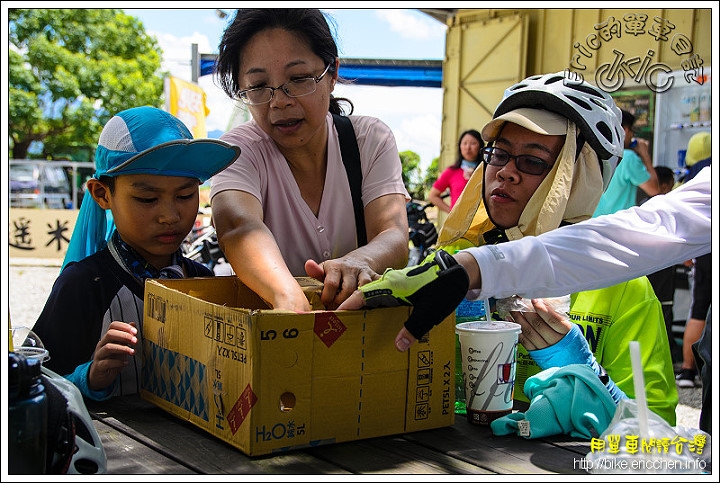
143	201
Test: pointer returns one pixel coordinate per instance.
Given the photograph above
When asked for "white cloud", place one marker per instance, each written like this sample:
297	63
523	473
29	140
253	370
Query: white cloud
220	105
177	53
413	113
410	25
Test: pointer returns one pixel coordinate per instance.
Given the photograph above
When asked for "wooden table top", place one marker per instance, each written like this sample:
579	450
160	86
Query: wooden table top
141	438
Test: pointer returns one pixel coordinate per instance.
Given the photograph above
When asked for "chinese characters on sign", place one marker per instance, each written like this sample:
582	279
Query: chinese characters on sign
40	233
634	444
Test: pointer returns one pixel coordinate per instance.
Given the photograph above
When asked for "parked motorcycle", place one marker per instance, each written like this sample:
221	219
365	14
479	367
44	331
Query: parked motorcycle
422	232
202	246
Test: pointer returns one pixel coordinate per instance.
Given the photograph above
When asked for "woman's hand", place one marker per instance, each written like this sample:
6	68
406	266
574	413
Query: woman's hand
112	354
340	277
541	328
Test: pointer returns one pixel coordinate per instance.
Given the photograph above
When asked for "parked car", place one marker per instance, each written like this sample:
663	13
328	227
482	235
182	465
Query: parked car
38	184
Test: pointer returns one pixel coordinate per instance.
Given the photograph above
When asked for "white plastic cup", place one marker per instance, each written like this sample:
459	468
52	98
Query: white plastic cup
489	357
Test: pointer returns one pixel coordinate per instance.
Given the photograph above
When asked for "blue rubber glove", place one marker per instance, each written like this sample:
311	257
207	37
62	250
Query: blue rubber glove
574	349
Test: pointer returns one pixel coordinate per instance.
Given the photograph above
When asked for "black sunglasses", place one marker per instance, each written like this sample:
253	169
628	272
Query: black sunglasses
493	156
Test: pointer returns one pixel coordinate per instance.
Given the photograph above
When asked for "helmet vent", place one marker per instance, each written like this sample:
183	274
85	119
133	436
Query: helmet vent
553	79
580	102
585	89
604	130
599	104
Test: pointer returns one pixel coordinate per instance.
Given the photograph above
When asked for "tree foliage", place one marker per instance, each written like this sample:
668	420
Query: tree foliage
411	173
70	70
431	174
417	183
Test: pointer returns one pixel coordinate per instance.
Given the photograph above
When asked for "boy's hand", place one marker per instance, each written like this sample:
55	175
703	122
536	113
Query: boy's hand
112	354
434	289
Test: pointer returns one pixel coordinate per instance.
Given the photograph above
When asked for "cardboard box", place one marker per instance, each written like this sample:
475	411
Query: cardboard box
268	381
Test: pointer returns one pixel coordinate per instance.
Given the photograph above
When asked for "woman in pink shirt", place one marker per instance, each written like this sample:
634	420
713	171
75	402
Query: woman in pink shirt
284	209
456	176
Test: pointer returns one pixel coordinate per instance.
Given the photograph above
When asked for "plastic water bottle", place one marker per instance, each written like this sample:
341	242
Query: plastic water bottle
460	407
468	310
27	416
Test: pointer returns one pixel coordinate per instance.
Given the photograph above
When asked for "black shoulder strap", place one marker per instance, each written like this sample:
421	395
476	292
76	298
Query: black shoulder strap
351	159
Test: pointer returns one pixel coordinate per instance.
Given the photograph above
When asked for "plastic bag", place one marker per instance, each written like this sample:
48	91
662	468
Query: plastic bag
516	303
664	450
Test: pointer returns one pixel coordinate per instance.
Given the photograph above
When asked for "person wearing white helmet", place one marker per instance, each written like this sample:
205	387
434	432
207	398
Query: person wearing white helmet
561	136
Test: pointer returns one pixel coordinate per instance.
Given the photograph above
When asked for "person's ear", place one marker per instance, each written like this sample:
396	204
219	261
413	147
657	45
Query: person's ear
335	72
100	192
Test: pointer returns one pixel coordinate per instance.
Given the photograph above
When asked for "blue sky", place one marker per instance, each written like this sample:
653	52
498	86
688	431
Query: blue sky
413	113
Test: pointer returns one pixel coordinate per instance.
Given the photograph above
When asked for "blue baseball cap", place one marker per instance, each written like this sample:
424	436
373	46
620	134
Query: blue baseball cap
143	140
148	140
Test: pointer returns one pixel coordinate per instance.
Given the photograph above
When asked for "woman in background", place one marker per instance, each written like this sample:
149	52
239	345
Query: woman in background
455	177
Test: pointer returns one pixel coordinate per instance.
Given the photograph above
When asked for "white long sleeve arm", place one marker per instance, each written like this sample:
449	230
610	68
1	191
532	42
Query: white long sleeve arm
665	230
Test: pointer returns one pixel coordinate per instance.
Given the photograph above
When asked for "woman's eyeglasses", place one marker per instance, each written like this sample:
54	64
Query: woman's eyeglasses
524	163
292	88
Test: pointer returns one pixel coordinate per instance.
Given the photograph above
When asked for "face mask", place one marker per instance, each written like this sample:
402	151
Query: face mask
468	165
468	168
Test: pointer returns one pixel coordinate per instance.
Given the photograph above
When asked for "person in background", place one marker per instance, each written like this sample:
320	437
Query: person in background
701	292
666	182
698	156
633	171
663	281
285	208
455	177
666	179
138	208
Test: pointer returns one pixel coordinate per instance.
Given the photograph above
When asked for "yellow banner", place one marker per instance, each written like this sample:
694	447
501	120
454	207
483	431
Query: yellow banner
186	101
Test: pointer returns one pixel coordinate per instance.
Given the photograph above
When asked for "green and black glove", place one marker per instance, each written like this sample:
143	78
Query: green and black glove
434	289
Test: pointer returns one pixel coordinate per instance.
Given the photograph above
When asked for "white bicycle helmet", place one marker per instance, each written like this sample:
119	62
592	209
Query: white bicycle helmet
88	455
591	109
72	430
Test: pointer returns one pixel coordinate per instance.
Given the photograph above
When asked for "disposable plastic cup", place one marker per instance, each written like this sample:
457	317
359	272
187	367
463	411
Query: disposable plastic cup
489	355
26	342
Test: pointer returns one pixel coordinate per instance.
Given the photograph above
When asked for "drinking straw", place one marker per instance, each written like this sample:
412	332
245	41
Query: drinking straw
639	382
10	333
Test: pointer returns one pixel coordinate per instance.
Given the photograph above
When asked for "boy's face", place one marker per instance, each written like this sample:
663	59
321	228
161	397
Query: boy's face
507	189
153	214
